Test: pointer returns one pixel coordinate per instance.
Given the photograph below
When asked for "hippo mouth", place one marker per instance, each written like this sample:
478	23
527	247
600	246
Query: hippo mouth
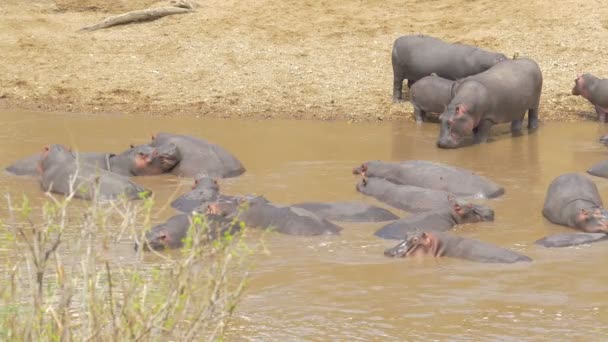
401	250
451	140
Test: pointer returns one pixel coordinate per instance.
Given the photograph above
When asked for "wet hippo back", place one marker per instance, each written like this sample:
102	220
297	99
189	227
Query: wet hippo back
570	239
200	156
348	211
29	166
435	176
405	197
475	250
567	195
434	221
599	170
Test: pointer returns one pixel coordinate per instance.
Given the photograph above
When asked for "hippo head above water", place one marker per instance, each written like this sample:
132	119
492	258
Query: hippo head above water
465	212
416	243
53	154
592	221
204	182
147	160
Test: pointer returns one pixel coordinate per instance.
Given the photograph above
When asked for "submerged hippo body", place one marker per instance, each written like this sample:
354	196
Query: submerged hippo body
432	175
430	94
205	191
501	94
405	197
600	169
171	234
573	200
595	90
348	211
440	220
571	239
142	160
417	56
58	166
259	213
435	244
199	156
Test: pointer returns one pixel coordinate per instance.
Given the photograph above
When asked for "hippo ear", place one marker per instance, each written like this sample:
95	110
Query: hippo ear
364	181
131	146
46	148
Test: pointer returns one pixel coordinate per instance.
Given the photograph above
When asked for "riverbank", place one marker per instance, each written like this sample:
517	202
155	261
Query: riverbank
275	59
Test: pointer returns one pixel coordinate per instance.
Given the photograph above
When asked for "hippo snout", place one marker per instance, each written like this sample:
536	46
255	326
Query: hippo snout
398	251
485	213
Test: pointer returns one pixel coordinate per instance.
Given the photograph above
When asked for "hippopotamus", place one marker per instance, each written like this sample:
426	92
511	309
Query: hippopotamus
500	94
573	200
595	90
458	211
58	165
430	175
258	212
204	191
425	243
600	169
571	239
142	160
171	233
348	211
416	56
430	94
405	197
199	156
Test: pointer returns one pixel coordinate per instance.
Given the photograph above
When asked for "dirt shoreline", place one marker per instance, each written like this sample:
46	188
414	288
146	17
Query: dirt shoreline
303	59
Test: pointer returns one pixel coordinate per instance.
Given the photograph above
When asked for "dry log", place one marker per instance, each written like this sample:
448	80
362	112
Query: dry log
135	16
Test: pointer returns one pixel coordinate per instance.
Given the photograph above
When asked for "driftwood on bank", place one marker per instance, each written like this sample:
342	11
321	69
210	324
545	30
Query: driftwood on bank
178	7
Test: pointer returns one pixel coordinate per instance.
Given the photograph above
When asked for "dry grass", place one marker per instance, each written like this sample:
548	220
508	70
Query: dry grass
270	58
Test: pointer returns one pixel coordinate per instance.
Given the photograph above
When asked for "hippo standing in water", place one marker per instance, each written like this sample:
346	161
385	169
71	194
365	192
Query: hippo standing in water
430	175
416	56
259	213
58	165
595	90
503	93
430	94
171	234
456	212
142	160
348	211
405	197
435	244
198	156
573	200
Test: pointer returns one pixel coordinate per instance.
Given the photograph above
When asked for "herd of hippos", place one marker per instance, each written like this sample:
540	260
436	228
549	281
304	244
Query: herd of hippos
470	88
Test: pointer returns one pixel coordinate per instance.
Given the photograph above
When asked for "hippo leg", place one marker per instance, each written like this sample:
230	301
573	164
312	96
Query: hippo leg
419	114
601	114
516	126
410	83
533	118
398	77
482	131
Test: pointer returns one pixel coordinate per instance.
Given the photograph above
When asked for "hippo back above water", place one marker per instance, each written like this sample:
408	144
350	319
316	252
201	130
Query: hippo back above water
430	175
417	56
430	94
199	156
573	200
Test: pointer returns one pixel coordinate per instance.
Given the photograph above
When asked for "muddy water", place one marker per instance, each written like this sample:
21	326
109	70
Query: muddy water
342	287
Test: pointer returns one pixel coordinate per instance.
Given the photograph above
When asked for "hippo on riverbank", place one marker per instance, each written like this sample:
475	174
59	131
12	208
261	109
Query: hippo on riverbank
595	90
503	93
348	211
405	197
430	94
573	200
171	234
435	244
416	56
58	167
142	160
430	175
198	156
456	212
258	212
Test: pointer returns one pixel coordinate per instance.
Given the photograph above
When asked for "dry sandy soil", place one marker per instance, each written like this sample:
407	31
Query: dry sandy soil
277	58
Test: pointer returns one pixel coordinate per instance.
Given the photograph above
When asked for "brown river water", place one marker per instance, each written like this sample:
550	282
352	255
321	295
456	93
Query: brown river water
336	288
